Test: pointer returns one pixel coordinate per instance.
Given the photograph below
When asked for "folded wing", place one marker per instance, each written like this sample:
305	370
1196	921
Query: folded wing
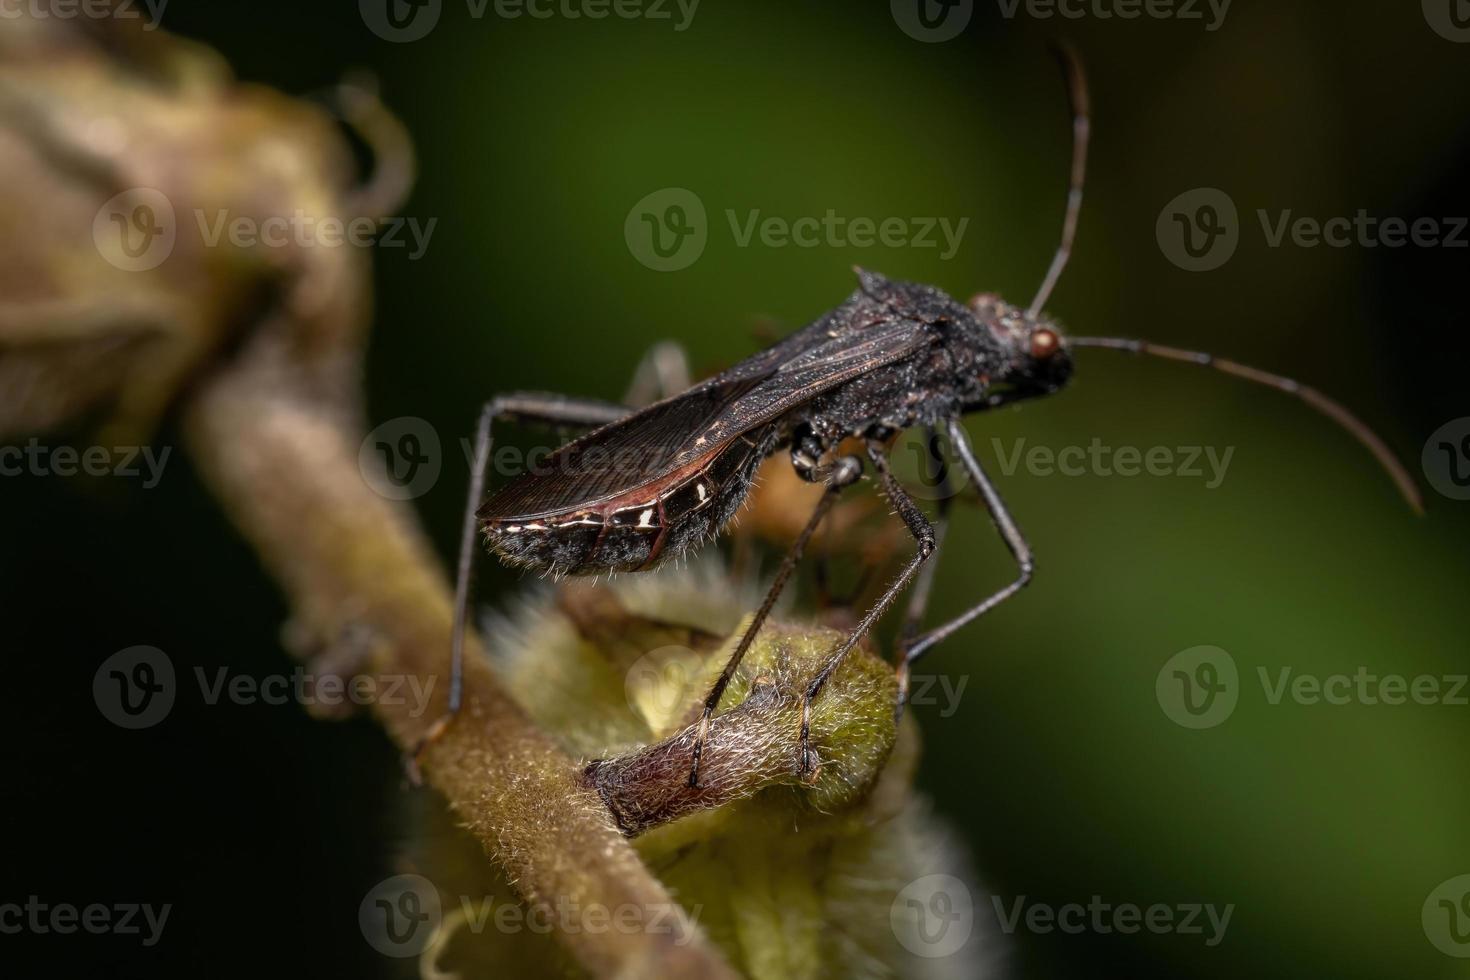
679	431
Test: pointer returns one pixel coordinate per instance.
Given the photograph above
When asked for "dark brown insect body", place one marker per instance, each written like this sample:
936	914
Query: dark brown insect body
651	487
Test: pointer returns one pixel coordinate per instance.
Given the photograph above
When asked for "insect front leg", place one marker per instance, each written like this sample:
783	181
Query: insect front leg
927	542
529	407
1011	534
841	474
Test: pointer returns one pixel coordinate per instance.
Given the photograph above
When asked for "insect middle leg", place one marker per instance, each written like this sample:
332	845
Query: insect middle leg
842	474
927	542
938	471
1011	534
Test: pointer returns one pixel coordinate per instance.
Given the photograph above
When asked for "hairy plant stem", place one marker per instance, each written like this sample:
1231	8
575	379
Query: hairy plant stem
282	455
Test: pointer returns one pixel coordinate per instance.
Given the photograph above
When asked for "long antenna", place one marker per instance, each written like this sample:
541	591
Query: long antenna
1076	77
1311	396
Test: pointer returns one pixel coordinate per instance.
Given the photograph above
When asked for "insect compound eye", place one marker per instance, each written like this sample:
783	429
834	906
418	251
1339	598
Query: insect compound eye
1044	343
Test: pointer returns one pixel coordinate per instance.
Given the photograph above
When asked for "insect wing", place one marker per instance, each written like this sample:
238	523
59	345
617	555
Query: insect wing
843	356
617	457
680	431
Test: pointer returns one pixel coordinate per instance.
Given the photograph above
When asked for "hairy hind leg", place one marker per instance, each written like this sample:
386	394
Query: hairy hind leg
530	407
663	371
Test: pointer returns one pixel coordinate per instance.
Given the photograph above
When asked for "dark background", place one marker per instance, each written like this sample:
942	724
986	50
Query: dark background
1325	826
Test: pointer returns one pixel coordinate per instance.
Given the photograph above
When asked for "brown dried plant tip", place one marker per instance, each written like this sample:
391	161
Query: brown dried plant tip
113	140
752	746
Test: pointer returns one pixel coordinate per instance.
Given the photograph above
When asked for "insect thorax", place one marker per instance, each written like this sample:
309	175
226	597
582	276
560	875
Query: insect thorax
925	389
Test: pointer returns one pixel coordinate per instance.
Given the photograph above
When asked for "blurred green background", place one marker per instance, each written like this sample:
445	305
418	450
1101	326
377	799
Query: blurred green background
1325	826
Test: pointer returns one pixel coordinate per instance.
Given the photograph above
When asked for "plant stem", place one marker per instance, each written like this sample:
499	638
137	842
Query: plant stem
283	459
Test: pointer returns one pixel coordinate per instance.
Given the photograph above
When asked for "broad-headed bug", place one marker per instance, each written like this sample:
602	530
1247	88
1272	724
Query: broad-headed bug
648	485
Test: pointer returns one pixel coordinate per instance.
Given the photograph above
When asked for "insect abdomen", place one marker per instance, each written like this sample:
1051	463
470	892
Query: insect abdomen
635	531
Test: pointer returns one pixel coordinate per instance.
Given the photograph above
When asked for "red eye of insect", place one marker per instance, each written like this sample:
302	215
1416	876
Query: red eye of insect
1044	344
